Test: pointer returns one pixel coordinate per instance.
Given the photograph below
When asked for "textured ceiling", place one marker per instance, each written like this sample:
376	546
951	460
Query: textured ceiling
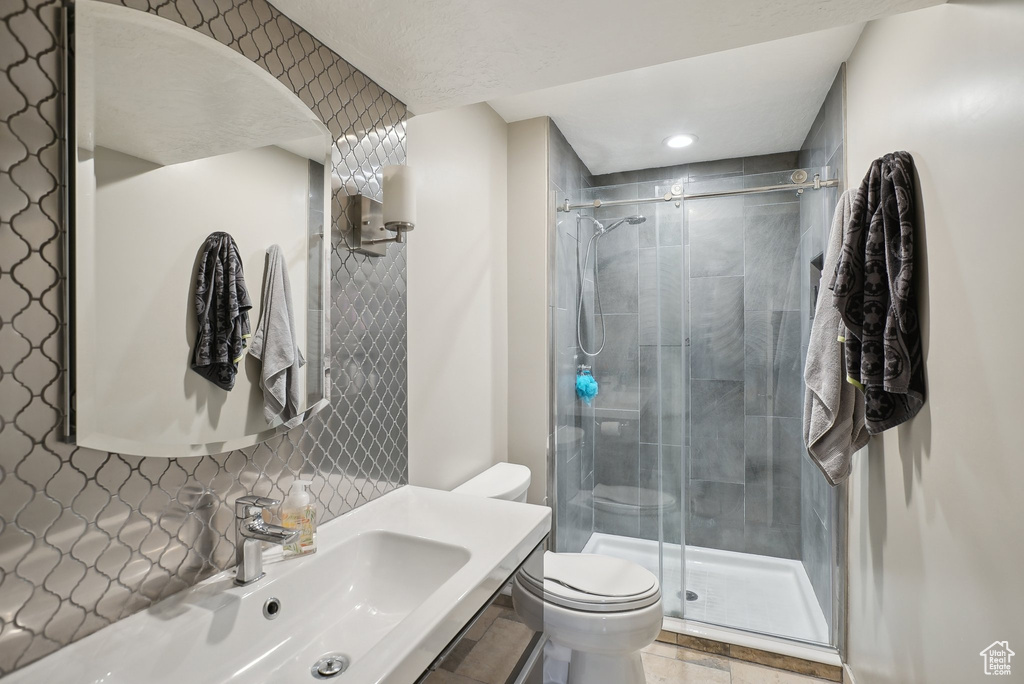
618	122
434	54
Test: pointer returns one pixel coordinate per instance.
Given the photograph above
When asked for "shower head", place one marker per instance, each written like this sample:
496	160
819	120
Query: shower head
631	220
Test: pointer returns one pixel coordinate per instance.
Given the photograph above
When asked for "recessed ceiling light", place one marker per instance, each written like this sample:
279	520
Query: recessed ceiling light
680	140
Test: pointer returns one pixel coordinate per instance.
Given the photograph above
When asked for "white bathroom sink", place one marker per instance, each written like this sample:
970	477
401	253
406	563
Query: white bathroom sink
390	586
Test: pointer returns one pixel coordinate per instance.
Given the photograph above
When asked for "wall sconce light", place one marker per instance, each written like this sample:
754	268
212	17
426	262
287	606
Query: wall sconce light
373	219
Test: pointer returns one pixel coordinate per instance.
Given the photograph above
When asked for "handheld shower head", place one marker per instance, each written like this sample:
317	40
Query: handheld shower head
631	220
599	230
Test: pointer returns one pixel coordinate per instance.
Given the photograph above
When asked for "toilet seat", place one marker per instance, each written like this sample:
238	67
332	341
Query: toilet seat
592	583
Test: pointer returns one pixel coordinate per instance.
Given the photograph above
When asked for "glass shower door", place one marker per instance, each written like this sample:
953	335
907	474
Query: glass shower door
663	367
753	558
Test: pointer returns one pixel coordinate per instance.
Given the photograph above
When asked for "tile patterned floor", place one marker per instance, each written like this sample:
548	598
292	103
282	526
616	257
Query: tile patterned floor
668	664
490	651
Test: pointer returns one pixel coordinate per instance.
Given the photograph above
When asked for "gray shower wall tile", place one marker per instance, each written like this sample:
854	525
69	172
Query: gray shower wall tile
771	506
835	168
661	290
608	214
816	558
677	173
824	145
663	481
718	167
565	276
810	286
574	420
715	515
787	452
565	168
616	178
122	532
617	368
765	163
716	328
671	389
716	430
715	233
586	422
771	270
774	451
832	123
814	154
787	368
779	541
773	372
588	325
617	520
667	218
756	362
618	274
616	468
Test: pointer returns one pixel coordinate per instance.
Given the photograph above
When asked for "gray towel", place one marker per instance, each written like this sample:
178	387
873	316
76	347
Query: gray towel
274	344
874	292
222	310
833	408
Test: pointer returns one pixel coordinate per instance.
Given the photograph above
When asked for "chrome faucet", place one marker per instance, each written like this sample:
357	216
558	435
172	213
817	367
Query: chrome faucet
251	530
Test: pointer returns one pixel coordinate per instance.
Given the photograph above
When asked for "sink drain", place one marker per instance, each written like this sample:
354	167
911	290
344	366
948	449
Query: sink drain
691	595
272	608
331	665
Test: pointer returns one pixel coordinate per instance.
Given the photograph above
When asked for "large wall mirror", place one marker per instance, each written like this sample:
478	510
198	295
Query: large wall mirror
173	137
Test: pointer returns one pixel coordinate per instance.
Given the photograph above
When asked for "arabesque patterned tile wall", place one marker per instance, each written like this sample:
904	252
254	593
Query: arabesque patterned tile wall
87	538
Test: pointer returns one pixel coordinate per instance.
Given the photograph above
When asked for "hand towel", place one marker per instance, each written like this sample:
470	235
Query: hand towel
833	408
873	288
222	307
274	343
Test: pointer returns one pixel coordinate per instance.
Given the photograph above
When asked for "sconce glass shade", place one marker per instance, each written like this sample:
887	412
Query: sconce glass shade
399	198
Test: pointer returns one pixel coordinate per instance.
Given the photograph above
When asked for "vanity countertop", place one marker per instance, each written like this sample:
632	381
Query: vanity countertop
392	583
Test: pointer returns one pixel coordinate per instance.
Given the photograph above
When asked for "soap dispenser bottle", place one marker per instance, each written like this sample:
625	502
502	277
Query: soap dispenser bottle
298	512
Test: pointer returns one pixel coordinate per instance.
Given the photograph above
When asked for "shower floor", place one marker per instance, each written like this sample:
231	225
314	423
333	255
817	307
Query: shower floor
739	590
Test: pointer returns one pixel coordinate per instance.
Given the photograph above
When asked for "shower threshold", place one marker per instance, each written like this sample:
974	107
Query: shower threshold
743	591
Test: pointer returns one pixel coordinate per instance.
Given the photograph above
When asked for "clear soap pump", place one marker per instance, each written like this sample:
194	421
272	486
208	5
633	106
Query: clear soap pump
298	512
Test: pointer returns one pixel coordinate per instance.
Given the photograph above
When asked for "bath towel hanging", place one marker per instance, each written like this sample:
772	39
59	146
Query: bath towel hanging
834	426
222	308
873	288
274	344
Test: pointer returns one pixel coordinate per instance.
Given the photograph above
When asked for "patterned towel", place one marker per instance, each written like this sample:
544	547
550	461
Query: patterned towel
873	288
222	307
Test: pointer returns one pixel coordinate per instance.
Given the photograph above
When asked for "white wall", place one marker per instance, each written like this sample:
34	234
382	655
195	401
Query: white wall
528	315
937	506
457	296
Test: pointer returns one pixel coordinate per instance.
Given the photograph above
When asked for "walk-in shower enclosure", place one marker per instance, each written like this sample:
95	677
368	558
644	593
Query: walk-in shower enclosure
690	459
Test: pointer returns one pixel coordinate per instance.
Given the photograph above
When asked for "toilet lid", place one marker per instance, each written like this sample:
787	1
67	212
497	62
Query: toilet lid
593	583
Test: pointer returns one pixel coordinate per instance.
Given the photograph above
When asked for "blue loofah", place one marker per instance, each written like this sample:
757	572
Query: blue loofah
586	387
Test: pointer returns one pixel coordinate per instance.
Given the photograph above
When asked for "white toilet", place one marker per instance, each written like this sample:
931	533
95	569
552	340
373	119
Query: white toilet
606	610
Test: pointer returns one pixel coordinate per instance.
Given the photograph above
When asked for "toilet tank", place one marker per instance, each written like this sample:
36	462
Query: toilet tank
507	481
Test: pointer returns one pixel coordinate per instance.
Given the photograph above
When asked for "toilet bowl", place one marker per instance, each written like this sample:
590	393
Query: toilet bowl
605	610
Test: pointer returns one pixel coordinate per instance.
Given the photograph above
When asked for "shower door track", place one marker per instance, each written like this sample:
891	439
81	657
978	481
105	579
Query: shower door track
677	195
